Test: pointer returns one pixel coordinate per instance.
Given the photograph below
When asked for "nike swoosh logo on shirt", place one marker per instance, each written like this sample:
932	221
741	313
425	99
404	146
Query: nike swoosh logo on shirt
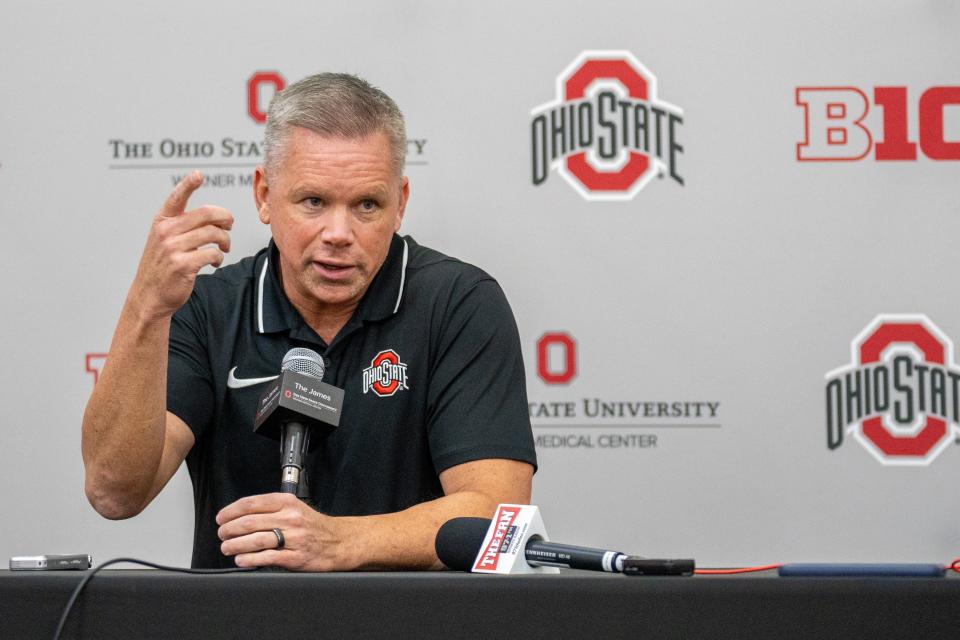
238	383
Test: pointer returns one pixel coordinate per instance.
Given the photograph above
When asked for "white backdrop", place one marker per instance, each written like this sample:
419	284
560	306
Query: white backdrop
740	289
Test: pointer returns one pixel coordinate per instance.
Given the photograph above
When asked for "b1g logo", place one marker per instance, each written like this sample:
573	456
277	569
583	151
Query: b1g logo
835	128
386	374
899	394
606	133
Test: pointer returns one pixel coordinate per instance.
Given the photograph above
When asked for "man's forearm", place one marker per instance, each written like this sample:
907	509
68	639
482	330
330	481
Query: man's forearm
405	540
124	423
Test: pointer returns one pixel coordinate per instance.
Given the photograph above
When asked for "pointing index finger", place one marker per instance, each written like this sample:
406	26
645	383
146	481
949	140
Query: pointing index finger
177	200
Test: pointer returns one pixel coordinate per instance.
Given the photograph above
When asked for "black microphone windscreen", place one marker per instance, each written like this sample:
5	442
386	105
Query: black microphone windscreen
459	541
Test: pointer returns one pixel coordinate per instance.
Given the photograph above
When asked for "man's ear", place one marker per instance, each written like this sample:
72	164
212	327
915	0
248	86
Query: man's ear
404	195
260	190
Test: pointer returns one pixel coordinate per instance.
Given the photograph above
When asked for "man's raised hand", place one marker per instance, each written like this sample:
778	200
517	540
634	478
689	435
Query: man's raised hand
180	243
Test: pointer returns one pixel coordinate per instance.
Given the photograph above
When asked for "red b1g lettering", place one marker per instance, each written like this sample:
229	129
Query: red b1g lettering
835	127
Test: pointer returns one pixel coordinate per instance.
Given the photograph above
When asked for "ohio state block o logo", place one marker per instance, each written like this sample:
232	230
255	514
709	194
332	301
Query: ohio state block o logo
606	133
899	396
256	103
629	73
386	374
562	342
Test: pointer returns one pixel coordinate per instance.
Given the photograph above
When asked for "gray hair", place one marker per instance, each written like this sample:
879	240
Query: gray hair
334	104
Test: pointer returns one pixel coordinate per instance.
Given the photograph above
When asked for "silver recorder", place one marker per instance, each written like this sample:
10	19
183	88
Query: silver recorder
80	562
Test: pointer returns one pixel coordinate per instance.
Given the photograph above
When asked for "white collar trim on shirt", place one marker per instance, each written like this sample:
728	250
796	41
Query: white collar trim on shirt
266	264
403	275
263	274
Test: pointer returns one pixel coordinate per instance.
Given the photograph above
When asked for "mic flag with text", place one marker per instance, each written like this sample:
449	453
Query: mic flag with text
514	541
297	403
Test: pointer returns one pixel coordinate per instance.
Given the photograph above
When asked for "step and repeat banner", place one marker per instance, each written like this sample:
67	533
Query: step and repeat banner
727	231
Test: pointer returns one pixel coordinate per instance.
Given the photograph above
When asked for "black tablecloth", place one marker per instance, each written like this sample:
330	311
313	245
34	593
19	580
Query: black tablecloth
151	604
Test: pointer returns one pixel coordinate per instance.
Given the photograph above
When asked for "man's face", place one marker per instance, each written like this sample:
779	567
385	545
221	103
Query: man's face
333	205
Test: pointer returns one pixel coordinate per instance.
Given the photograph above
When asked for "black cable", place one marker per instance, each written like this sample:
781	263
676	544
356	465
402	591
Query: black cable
89	576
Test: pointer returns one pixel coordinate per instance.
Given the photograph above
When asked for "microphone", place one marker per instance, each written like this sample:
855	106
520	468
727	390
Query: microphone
459	543
293	406
296	436
459	540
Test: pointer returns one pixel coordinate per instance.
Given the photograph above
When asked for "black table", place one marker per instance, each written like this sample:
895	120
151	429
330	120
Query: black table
127	603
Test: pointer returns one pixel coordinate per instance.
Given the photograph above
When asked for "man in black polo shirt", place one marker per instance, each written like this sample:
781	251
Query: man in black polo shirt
434	422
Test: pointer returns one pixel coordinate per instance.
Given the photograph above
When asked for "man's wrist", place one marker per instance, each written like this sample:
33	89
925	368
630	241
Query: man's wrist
143	314
352	535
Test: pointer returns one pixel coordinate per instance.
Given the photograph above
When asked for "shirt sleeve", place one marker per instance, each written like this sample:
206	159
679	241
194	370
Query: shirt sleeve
189	380
477	403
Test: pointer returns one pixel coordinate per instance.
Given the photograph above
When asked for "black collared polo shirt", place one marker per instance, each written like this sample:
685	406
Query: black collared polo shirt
430	364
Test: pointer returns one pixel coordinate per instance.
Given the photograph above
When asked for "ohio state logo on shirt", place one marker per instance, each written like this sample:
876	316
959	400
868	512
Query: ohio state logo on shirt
386	374
900	395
